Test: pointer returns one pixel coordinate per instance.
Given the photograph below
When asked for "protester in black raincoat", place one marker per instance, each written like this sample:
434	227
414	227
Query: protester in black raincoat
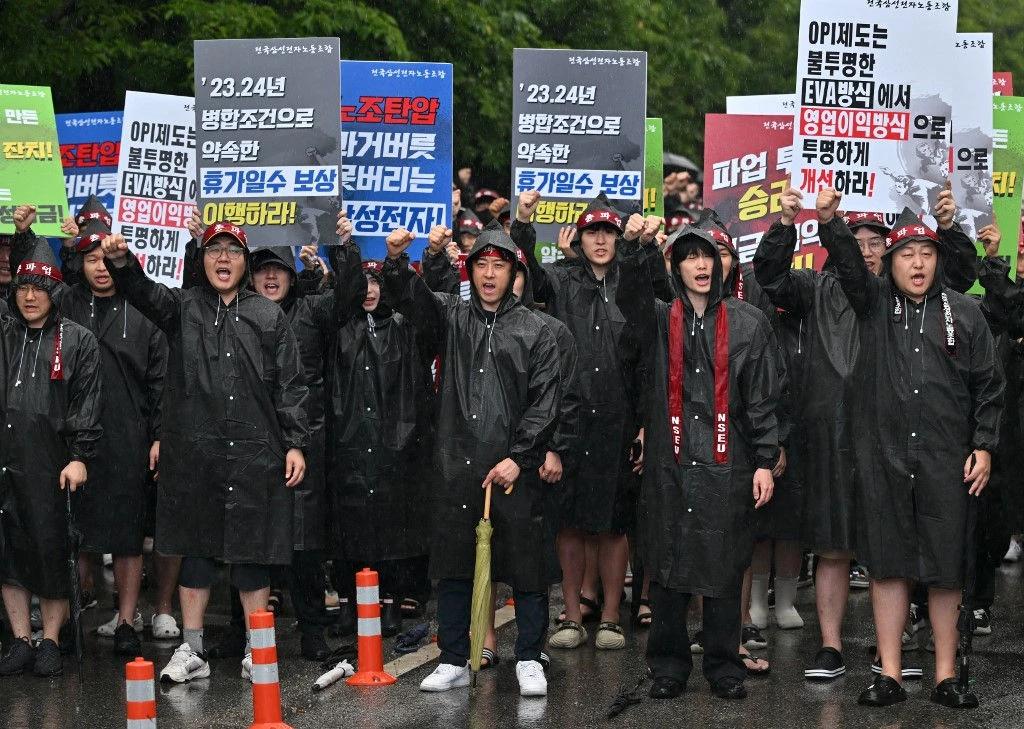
312	319
711	442
378	440
233	428
925	433
498	409
827	345
5	270
111	513
601	493
50	408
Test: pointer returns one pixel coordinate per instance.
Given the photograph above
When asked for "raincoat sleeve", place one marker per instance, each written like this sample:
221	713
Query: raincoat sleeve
635	296
346	300
308	282
564	441
439	274
759	388
1003	304
21	246
82	422
427	310
788	288
540	418
192	265
524	235
158	303
290	393
156	368
987	384
860	287
960	262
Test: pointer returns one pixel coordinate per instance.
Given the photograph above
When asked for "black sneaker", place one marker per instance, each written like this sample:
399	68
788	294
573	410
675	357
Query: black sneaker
982	622
949	695
48	659
884	691
126	641
828	665
909	672
19	657
345	623
313	646
858	577
752	638
729	688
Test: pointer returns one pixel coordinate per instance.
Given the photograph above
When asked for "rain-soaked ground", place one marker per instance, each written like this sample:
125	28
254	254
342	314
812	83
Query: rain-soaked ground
582	684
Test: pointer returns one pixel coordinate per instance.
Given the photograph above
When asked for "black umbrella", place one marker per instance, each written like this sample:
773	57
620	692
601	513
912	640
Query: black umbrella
76	588
965	621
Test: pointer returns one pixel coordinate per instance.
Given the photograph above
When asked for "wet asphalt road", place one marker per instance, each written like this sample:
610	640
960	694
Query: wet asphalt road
582	684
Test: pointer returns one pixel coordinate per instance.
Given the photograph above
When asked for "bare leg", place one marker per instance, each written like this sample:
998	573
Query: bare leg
85	572
890	601
612	560
55	612
17	601
128	579
745	597
252	602
572	557
942	611
832	589
193	606
167	569
590	569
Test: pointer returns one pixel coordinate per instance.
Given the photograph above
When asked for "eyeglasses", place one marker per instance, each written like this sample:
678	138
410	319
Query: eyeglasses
875	245
234	252
25	289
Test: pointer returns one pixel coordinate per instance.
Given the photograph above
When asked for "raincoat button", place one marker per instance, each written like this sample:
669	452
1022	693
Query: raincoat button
369	450
586	453
689	511
593	412
913	435
229	354
911	475
371	491
231	443
597	369
917	349
367	368
698	370
474	417
696	417
463	506
467	463
481	369
231	397
597	326
915	392
693	463
231	488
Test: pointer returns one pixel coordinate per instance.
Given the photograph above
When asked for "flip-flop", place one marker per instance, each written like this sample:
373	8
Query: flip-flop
754	671
489	659
643	619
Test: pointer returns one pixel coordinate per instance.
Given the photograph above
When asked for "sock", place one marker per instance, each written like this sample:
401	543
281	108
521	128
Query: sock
785	612
194	638
759	600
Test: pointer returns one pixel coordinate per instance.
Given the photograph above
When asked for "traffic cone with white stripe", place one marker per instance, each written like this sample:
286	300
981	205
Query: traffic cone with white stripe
266	688
140	695
371	644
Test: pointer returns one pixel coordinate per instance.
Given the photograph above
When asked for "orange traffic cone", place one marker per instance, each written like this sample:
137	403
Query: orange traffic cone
140	695
371	645
266	689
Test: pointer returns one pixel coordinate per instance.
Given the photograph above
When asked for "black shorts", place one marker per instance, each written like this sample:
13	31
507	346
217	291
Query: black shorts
202	573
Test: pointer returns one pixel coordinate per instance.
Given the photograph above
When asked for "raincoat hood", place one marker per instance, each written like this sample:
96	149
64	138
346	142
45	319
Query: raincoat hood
494	236
40	269
94	223
690	237
908	229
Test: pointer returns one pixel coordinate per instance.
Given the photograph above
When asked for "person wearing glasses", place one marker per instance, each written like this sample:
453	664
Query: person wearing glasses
232	434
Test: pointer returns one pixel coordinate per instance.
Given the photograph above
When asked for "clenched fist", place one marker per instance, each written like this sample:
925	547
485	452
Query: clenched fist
398	242
827	204
438	239
792	203
527	205
115	248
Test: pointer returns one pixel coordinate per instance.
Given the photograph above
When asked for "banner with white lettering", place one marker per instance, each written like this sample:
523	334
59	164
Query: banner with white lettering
89	144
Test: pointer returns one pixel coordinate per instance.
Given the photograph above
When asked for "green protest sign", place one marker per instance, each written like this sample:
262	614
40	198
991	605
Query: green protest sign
654	175
1008	172
30	168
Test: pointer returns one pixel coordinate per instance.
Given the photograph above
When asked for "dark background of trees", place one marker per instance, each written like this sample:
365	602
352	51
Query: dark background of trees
700	51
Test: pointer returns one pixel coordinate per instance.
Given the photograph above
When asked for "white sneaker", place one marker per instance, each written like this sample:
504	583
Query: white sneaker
1014	552
164	627
247	666
185	665
446	677
108	628
532	681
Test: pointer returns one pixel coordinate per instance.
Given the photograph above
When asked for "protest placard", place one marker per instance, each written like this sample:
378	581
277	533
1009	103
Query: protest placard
971	157
156	181
654	168
1008	173
746	169
763	104
873	116
396	142
89	146
30	170
578	120
1002	83
267	137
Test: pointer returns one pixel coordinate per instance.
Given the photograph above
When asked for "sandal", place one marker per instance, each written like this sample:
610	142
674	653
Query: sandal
588	617
570	634
274	602
753	670
610	637
489	659
643	619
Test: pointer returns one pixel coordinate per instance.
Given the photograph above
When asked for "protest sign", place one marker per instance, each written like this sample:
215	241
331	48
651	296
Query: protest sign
89	145
1002	83
267	137
873	113
156	181
746	170
761	104
971	158
654	169
396	141
578	120
1008	173
30	171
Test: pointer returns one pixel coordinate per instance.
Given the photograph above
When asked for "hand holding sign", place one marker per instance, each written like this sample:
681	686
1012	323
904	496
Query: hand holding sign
990	237
945	208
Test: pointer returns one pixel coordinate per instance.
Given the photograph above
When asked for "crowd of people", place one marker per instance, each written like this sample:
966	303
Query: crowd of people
648	410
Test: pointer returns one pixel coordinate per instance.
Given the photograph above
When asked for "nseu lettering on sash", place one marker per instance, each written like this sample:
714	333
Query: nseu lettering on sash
89	147
578	126
267	137
156	181
873	108
396	149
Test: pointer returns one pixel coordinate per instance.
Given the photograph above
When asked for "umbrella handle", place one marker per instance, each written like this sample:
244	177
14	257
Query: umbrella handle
487	502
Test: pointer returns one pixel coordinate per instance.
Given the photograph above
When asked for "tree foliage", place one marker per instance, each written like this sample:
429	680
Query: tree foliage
699	51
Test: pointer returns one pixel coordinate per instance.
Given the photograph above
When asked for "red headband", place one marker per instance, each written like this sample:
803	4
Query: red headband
856	219
35	268
720	236
906	232
86	242
96	215
595	217
493	252
374	267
